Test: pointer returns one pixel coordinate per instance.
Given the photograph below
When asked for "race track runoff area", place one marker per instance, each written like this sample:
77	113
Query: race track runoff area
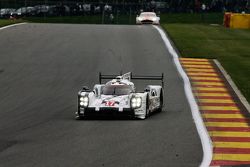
226	120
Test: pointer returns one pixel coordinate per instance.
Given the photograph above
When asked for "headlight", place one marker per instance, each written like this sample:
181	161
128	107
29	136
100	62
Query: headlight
140	19
136	102
84	101
154	19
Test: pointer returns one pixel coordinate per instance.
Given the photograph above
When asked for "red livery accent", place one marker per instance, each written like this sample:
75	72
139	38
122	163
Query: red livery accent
110	103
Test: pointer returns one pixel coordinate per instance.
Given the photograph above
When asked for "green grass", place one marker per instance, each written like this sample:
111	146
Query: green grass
230	46
192	18
4	22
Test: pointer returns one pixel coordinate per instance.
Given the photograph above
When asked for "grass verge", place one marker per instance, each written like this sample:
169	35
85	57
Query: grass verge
4	22
192	18
230	46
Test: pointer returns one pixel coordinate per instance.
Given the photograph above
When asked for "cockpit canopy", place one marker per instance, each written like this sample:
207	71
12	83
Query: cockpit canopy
117	90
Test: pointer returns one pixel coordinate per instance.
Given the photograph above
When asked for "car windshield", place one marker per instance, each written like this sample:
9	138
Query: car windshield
147	15
117	90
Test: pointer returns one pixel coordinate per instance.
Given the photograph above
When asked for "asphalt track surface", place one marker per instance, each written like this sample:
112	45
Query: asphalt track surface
42	68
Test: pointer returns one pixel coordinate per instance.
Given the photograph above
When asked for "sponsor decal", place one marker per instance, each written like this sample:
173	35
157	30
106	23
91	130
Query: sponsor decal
110	103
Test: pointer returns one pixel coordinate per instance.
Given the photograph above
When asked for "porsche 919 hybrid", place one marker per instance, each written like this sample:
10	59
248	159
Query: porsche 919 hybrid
119	97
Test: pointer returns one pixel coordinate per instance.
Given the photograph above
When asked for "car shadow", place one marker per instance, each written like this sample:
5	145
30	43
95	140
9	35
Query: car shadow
115	117
107	118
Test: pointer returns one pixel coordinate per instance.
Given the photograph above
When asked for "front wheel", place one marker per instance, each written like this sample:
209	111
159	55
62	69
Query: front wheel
146	115
79	117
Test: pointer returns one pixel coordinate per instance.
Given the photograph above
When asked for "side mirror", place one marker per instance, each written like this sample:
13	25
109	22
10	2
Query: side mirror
146	90
85	89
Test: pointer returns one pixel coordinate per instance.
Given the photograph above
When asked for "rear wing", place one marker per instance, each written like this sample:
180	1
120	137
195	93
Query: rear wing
130	76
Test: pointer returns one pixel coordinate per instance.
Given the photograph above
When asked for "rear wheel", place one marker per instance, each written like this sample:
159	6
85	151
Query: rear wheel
147	108
79	116
161	101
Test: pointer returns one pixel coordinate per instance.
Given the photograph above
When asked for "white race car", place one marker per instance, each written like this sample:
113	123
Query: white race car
119	97
147	18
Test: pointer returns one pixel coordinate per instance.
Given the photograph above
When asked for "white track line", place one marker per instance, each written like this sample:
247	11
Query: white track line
12	25
202	131
233	85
